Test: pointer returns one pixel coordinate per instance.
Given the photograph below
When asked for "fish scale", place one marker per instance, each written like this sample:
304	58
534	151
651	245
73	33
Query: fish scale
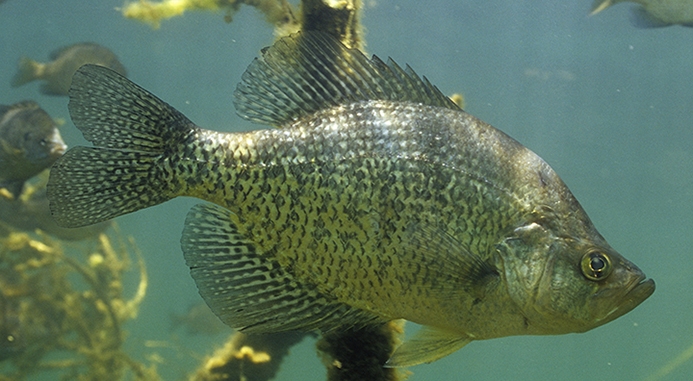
375	198
349	220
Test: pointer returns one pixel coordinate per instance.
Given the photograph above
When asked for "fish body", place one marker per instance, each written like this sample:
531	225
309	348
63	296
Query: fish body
57	73
29	143
376	198
654	13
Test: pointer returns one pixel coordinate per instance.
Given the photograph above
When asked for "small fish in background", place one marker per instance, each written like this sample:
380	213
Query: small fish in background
64	62
654	13
31	211
29	143
198	320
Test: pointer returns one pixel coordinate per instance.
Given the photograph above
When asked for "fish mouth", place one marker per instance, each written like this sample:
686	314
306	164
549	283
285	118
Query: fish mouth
59	149
639	289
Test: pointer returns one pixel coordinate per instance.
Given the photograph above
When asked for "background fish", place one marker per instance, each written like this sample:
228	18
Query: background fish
29	143
376	199
30	211
198	320
58	72
654	13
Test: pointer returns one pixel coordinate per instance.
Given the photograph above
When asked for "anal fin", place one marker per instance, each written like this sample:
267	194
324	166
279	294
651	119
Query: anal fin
428	344
248	289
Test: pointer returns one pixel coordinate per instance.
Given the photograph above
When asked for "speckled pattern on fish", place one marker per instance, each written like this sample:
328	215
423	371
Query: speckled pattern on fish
376	198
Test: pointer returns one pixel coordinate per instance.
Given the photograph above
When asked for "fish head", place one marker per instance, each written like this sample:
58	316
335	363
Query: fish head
564	284
31	140
42	142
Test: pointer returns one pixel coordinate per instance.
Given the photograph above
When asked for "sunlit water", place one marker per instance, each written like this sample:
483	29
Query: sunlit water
607	105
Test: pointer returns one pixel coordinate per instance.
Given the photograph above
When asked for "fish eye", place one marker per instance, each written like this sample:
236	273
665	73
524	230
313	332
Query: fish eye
595	265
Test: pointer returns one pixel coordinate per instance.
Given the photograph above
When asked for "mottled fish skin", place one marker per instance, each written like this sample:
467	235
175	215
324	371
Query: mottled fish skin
57	73
376	199
29	143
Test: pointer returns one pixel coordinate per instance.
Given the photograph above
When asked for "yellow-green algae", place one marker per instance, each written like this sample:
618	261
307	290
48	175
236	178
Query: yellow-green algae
277	12
248	357
69	306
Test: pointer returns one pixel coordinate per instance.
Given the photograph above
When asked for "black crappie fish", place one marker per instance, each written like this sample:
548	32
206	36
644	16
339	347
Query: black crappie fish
377	198
57	73
29	143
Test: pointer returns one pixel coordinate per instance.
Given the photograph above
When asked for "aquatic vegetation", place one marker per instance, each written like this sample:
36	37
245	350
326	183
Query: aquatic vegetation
70	306
248	357
277	12
358	354
30	211
338	18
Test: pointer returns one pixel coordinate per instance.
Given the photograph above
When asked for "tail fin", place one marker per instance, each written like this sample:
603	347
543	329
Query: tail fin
27	71
132	130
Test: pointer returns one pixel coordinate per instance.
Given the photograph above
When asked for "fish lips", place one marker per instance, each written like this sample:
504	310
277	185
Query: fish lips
57	145
58	149
637	290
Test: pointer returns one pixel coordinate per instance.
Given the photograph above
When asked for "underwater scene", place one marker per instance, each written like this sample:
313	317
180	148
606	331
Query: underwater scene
601	91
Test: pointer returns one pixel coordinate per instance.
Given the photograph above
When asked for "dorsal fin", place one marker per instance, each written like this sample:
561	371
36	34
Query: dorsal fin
307	72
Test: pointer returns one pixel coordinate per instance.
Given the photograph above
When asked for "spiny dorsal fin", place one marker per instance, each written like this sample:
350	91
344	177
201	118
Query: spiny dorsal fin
248	289
304	73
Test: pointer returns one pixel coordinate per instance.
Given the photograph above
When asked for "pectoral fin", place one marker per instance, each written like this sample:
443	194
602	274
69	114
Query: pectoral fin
438	250
428	344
